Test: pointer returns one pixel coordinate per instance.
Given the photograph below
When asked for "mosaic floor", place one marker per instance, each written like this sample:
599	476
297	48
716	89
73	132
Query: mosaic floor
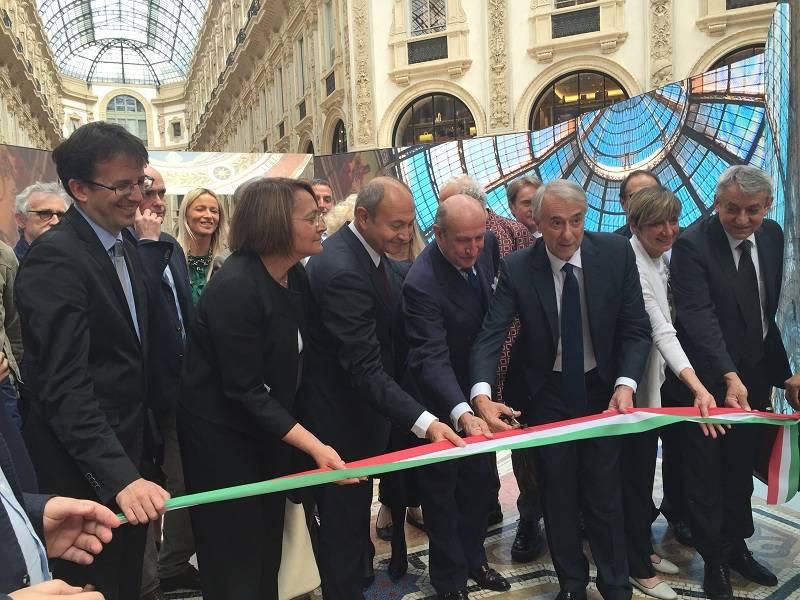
776	543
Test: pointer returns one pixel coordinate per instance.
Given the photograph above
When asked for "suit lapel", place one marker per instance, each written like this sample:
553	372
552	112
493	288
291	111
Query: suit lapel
546	289
724	256
766	263
594	284
139	292
451	280
365	260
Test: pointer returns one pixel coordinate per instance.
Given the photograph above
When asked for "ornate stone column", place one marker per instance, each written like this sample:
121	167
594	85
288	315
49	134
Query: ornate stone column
364	124
499	112
660	25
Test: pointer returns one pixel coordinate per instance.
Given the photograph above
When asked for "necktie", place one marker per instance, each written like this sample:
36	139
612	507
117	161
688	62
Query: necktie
474	284
747	286
573	386
383	275
118	256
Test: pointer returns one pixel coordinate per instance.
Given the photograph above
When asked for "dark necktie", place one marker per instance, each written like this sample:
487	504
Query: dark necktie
573	386
474	284
383	275
747	284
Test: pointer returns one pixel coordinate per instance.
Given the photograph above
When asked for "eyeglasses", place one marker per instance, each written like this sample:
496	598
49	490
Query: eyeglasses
316	220
126	189
45	214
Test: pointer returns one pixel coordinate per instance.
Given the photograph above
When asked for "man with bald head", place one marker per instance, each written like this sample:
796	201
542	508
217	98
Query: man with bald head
445	296
558	288
167	569
352	399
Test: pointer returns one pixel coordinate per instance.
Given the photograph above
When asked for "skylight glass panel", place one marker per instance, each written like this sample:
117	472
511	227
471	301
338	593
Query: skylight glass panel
480	159
514	151
445	162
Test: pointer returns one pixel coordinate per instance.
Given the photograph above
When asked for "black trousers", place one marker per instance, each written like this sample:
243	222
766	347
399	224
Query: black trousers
719	475
456	498
673	506
238	542
577	477
344	514
638	460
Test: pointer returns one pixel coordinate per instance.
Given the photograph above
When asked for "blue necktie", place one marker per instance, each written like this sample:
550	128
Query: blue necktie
474	284
573	386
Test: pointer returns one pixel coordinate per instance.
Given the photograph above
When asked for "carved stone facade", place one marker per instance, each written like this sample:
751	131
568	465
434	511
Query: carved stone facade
660	38
499	112
363	73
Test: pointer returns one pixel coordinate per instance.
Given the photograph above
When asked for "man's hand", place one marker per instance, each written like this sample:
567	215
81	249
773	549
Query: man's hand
438	431
76	529
4	369
147	225
472	425
736	392
327	458
622	399
491	412
142	501
793	391
703	400
49	590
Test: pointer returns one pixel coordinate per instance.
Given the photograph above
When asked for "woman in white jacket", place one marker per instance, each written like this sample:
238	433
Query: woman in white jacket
653	216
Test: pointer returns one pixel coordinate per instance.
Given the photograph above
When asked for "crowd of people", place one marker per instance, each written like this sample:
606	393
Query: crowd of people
137	366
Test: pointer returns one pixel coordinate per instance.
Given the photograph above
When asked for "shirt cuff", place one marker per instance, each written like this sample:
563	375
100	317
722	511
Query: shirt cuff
480	388
625	381
455	414
420	427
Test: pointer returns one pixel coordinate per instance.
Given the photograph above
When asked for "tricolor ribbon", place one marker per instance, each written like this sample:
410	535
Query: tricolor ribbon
784	466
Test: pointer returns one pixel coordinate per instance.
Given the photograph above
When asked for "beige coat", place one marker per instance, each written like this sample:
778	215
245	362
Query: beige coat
10	331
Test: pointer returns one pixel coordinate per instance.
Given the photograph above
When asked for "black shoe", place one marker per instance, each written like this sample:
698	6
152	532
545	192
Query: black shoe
367	568
398	566
495	515
458	595
528	543
749	568
188	579
565	595
682	532
717	582
489	579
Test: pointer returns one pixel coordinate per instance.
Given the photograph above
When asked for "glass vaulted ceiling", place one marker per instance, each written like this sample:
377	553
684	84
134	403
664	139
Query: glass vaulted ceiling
123	41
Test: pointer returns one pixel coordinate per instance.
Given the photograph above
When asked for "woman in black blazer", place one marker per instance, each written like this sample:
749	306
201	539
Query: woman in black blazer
242	369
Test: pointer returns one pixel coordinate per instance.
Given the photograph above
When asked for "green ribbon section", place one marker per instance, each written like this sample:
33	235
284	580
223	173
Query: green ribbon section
313	478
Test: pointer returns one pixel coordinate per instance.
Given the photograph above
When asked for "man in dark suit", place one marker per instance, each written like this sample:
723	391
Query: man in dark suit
352	396
633	182
726	273
586	337
84	312
445	296
170	301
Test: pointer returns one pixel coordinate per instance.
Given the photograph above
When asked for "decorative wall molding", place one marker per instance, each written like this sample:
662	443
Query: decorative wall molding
661	71
364	125
499	115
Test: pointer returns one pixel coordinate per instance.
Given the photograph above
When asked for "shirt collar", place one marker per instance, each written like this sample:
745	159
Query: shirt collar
556	264
734	242
105	237
376	258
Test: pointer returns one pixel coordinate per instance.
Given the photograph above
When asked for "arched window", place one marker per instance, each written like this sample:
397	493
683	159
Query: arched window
434	118
339	145
737	55
128	112
574	94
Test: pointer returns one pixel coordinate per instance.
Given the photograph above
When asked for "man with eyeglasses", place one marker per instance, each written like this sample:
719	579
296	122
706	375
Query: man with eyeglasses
84	311
170	300
38	207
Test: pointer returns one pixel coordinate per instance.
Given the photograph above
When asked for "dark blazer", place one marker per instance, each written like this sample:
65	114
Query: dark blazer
709	320
165	355
352	394
625	231
87	365
619	325
442	317
241	368
14	574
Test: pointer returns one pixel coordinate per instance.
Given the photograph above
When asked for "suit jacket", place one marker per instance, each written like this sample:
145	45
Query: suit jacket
88	376
14	573
242	368
710	322
351	395
442	317
625	231
666	350
166	335
620	329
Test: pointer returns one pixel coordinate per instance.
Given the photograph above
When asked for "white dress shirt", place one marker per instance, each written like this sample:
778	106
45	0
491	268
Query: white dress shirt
666	350
589	360
426	418
737	254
